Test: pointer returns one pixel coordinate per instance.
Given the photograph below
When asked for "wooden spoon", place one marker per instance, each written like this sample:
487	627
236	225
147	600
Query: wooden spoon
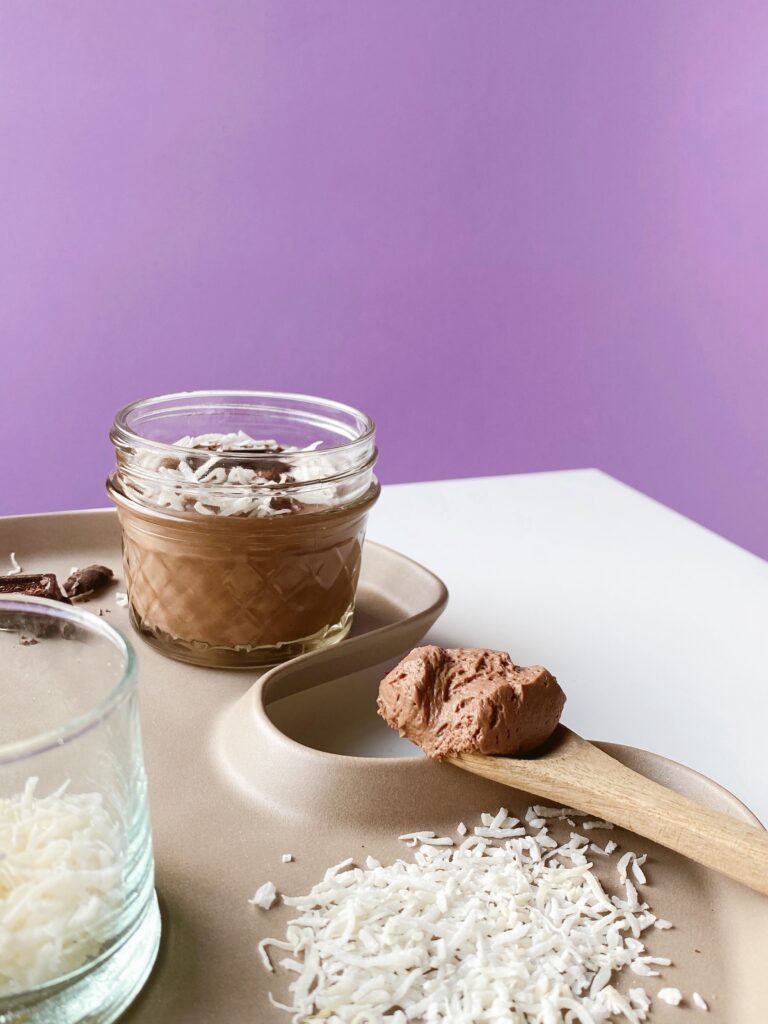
573	772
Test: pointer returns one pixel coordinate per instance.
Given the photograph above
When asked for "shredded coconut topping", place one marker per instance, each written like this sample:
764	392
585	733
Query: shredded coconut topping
60	884
15	569
502	929
216	483
699	1002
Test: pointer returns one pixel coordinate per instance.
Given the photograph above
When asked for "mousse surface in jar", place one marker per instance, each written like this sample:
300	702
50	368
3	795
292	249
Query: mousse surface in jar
240	551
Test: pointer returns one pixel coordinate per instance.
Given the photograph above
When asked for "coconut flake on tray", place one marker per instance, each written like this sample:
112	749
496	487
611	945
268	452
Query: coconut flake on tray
15	569
217	485
264	896
510	930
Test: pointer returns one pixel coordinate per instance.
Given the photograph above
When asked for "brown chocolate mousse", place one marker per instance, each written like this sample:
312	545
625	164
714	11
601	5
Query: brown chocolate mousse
200	587
238	555
457	701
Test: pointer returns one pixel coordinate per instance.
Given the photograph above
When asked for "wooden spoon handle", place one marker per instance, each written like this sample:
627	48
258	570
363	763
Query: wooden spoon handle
596	783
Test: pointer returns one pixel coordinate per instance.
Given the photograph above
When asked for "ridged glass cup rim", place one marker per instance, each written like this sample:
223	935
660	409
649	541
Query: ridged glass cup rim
82	723
123	436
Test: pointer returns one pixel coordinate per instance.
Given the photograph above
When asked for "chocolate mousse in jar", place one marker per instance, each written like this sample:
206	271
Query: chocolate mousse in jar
243	516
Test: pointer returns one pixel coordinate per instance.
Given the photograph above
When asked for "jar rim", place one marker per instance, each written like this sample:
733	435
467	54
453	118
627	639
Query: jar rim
124	436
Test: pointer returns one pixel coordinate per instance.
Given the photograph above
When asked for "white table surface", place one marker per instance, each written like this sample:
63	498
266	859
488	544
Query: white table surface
656	628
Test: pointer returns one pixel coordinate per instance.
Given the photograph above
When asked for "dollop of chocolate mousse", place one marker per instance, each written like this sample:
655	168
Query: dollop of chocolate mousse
470	700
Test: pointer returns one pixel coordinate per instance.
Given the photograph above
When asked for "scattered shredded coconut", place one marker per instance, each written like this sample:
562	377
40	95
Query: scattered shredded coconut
488	832
624	865
287	858
514	931
424	839
265	896
60	884
461	828
15	569
121	599
662	925
673	996
640	999
699	1002
597	824
643	969
637	869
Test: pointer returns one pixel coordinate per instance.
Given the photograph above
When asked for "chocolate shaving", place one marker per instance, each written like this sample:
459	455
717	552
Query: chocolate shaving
84	583
41	584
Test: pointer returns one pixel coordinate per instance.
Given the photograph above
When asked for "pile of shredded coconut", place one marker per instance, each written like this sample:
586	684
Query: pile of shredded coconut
209	486
509	927
60	884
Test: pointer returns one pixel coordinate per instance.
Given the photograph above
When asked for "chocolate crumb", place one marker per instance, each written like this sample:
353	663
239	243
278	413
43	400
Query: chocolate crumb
27	641
283	504
84	583
273	470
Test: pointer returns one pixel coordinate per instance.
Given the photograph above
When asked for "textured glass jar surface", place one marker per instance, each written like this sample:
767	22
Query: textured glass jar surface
277	576
79	926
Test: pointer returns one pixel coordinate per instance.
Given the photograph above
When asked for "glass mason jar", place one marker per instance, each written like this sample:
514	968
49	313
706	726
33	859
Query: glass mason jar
243	516
79	920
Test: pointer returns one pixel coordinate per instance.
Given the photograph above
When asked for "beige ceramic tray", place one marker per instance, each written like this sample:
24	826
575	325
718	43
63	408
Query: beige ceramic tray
241	773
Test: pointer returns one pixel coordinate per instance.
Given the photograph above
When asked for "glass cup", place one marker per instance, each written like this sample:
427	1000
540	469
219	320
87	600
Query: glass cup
243	516
79	919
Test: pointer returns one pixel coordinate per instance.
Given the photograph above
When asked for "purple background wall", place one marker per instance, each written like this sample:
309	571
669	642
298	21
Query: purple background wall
522	235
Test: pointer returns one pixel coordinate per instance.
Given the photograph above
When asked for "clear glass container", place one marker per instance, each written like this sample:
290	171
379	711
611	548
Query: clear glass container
243	516
79	920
